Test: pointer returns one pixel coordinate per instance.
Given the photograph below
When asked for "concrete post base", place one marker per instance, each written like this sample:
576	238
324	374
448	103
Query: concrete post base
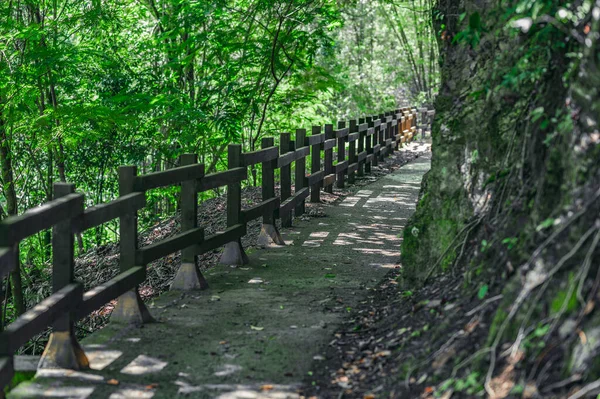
269	235
63	351
188	278
131	309
233	254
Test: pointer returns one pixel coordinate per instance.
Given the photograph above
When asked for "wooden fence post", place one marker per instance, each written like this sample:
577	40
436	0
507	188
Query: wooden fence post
63	350
352	150
189	277
381	138
390	134
405	128
341	154
233	252
369	144
361	148
328	157
300	170
285	177
315	166
130	307
376	142
268	232
397	132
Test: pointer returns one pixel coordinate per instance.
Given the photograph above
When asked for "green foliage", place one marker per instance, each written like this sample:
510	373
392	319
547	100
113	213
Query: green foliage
472	34
565	299
484	245
87	87
470	385
482	291
19	377
545	224
510	242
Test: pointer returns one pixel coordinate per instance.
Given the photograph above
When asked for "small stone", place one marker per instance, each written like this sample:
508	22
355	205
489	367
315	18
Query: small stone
567	328
434	304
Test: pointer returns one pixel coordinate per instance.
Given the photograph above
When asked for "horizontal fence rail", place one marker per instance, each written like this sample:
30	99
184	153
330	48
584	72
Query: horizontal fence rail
318	165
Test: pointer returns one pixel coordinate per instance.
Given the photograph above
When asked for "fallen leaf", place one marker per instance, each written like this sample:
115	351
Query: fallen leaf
582	337
589	307
471	326
530	390
257	328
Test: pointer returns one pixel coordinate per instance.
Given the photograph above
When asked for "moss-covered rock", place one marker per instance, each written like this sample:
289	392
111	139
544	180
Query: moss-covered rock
515	177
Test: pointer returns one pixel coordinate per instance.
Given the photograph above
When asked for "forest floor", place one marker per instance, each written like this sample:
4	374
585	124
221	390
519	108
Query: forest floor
407	344
260	330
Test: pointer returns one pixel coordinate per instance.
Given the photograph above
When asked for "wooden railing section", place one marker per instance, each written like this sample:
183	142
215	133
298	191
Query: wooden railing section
360	144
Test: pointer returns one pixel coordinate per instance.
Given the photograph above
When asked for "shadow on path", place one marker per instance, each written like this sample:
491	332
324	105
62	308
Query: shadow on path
258	329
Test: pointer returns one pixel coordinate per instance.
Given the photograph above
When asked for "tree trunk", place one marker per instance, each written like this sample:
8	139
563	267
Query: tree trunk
11	210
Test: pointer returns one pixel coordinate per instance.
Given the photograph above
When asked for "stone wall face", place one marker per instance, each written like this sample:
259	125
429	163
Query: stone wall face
512	198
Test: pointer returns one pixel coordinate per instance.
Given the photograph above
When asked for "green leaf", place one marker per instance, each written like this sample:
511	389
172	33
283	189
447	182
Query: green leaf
510	242
475	21
545	224
537	114
484	245
542	330
482	291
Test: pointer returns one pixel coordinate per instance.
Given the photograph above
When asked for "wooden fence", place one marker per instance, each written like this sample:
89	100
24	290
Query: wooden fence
357	146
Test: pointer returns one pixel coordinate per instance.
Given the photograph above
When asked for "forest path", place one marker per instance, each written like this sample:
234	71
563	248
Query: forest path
258	330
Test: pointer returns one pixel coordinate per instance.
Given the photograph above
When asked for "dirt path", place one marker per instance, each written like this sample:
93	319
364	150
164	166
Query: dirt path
259	329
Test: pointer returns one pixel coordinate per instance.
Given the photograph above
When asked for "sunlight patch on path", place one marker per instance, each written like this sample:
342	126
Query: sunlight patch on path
144	365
